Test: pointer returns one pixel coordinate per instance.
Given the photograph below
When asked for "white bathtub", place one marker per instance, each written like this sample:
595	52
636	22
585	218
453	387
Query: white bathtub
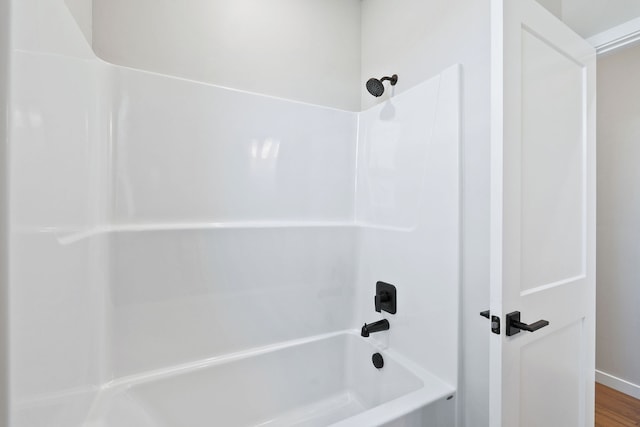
328	380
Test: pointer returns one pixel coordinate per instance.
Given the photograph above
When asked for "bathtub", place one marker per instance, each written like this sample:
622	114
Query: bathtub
327	380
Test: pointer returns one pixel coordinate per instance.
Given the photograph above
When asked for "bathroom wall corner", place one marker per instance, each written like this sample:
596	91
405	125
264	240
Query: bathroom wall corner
82	11
233	44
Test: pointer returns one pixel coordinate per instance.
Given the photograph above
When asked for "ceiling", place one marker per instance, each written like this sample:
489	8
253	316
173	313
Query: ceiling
590	17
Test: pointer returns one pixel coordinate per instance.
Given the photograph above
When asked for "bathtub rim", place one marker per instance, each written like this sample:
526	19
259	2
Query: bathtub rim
432	389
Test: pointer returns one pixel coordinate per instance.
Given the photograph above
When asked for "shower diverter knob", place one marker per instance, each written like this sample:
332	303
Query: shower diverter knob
385	299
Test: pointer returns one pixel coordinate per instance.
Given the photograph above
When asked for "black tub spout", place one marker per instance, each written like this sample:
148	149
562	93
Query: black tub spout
380	325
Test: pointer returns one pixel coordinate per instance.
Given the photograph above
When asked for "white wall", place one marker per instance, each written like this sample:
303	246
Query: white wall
306	50
82	11
416	40
5	19
618	227
553	6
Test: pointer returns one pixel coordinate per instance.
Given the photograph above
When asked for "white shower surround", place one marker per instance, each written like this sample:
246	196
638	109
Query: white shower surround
142	248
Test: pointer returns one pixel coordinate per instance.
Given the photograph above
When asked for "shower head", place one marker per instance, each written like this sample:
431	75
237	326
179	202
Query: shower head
375	86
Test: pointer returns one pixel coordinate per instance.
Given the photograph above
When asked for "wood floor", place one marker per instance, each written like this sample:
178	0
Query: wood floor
615	409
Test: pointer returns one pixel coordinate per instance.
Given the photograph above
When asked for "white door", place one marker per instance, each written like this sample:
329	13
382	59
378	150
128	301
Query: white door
542	219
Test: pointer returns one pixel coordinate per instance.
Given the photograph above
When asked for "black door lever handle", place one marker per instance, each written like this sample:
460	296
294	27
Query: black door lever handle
514	325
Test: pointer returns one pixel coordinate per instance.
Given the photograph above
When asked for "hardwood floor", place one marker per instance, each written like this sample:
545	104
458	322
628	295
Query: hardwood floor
615	409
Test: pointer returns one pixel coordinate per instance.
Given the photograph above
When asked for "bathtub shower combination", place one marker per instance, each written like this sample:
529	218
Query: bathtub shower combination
184	254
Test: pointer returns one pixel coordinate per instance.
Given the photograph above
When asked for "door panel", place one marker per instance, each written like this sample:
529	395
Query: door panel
551	383
542	218
552	173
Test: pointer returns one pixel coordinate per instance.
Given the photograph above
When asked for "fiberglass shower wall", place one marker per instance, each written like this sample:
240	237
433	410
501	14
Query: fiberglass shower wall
230	233
158	221
58	177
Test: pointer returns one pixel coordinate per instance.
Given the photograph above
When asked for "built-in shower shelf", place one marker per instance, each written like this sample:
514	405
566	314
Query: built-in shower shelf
70	235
